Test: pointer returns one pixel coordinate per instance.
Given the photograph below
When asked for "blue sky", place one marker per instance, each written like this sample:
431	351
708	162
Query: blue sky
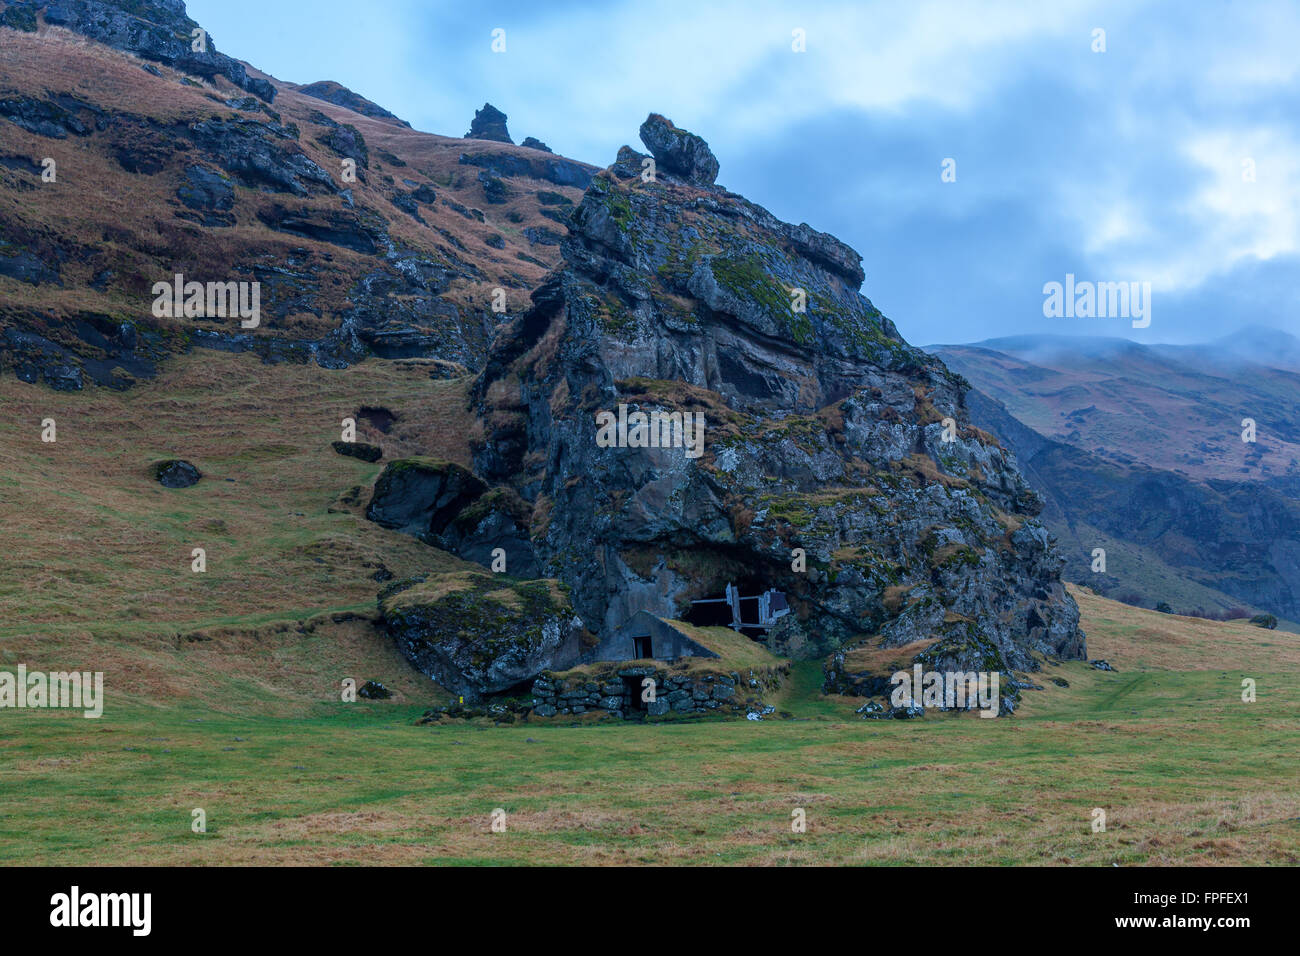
1117	166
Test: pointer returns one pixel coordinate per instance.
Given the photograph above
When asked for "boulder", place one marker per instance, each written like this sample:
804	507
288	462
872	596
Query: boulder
358	449
373	690
160	31
420	496
823	431
475	633
679	153
176	473
496	523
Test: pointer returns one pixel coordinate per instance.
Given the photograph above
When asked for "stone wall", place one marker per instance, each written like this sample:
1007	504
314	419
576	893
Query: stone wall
617	690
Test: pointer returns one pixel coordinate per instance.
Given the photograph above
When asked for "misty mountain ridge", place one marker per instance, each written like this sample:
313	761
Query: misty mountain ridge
1138	449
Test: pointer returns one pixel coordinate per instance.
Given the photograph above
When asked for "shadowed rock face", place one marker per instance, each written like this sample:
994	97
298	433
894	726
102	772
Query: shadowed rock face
824	432
421	496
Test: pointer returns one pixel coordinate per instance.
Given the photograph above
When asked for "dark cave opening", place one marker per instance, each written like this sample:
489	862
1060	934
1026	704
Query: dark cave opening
749	606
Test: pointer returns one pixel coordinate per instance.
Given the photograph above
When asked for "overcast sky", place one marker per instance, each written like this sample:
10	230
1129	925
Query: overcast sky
1130	165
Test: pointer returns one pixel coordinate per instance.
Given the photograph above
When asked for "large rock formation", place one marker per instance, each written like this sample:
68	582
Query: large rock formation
837	461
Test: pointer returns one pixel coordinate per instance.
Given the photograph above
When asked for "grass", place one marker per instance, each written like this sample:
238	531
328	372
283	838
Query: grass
92	538
96	576
1187	773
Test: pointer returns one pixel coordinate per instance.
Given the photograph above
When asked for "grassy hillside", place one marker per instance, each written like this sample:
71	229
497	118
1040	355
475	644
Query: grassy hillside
1187	773
116	219
98	552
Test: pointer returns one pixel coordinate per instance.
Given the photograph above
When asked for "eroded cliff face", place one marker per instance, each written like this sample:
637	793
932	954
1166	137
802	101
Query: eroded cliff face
824	434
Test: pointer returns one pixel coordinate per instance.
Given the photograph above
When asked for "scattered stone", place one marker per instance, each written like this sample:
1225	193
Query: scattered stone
358	449
541	236
373	690
425	194
176	473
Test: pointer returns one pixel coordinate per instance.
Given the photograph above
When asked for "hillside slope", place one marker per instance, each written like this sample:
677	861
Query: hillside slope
159	172
1137	450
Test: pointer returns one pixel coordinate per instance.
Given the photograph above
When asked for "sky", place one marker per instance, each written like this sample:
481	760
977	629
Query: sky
1170	157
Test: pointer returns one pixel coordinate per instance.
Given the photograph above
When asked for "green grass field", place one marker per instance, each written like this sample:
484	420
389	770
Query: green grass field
1185	771
222	693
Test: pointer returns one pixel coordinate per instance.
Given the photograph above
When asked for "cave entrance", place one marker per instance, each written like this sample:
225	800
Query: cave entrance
750	608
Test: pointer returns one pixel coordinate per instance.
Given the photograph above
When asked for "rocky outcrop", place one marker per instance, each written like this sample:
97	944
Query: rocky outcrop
45	117
209	194
263	155
837	463
420	496
477	633
494	530
490	124
183	178
679	153
340	95
554	169
344	139
158	30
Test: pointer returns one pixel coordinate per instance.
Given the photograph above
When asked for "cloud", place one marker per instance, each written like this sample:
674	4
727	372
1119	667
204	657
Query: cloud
1122	165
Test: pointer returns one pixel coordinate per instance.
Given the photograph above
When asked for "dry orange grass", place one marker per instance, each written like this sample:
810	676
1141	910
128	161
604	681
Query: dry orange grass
124	221
97	549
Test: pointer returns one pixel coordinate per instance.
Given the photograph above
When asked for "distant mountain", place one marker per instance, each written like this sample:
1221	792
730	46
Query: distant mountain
1176	408
1264	346
1138	450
